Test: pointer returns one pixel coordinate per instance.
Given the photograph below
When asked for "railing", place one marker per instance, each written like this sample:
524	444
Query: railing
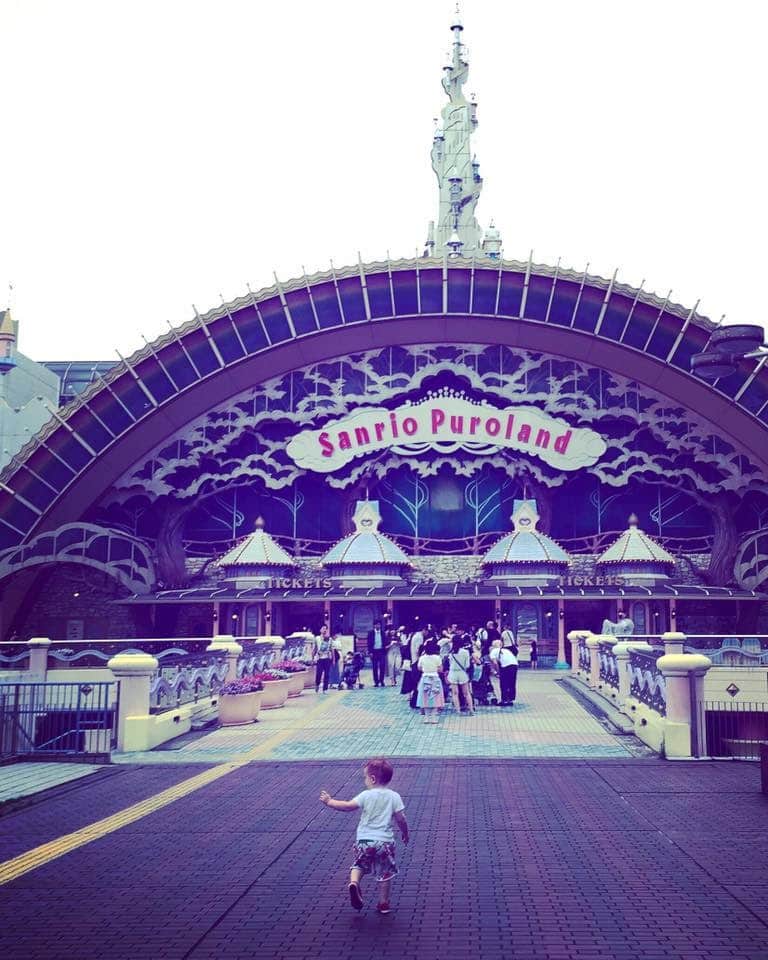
647	682
585	663
734	729
731	651
609	666
187	680
57	719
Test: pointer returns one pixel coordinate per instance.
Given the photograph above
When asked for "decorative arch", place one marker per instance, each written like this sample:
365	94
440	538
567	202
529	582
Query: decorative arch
87	445
126	559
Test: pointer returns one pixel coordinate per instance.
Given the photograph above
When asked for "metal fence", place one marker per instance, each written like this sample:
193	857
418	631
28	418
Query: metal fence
733	729
53	719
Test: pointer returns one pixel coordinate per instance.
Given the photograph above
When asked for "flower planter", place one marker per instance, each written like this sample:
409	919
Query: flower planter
298	682
309	678
275	694
236	709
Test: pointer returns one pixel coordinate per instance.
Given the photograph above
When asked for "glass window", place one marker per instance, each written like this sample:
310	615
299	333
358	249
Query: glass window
563	302
458	291
538	297
667	330
250	329
694	341
511	294
484	291
301	311
275	320
588	312
431	285
351	293
223	335
406	298
379	297
326	304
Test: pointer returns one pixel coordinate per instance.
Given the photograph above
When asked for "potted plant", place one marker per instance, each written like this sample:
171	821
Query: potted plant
240	701
297	674
276	684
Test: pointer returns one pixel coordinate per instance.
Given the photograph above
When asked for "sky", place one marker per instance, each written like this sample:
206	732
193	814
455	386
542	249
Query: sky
164	153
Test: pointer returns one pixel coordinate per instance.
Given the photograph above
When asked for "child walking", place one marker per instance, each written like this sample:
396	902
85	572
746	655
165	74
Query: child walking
374	849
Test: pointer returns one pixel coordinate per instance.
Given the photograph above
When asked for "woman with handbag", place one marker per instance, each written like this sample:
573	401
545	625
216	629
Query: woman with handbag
459	665
430	692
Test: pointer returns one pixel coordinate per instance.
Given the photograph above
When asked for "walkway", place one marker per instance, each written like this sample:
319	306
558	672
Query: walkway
556	859
546	721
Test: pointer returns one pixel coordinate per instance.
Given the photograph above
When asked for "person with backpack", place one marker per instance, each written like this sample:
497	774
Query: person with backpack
505	657
459	667
323	655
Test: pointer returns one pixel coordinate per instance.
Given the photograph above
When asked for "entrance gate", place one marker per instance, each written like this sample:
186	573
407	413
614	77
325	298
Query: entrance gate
57	719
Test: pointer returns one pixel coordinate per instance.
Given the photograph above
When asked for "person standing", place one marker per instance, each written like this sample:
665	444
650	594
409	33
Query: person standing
430	696
534	655
377	648
459	665
323	653
334	673
393	655
506	658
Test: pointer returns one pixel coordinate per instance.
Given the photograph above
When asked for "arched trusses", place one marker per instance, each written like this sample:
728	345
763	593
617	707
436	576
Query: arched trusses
126	559
142	401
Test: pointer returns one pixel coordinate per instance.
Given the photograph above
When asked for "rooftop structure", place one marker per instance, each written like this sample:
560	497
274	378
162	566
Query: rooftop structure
367	553
636	556
526	556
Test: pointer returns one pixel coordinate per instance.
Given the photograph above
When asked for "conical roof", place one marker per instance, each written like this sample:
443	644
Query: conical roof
526	544
257	550
366	545
635	546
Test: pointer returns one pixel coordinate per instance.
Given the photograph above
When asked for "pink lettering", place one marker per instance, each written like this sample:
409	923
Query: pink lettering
379	428
474	423
438	419
361	436
524	434
492	426
344	442
561	443
542	438
326	444
393	424
457	424
510	426
410	426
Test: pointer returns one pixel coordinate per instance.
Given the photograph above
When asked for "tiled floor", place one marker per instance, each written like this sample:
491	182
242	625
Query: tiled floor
545	722
23	779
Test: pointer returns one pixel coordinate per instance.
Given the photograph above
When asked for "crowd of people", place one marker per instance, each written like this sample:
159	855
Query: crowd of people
466	667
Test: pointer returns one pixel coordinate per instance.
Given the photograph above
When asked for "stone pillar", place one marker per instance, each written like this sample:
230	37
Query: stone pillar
38	658
621	651
674	642
593	646
681	671
672	615
268	619
575	636
562	663
226	644
133	671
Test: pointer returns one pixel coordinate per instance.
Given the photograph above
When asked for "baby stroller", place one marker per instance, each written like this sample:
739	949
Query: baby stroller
353	664
482	690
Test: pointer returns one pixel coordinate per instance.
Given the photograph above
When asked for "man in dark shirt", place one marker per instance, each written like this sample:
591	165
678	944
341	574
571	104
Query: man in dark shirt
377	647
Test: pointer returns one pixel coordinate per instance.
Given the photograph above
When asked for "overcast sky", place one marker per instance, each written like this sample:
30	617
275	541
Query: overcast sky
158	153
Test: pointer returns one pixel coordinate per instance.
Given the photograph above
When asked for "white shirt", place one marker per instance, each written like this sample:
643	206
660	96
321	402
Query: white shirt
505	657
430	663
377	805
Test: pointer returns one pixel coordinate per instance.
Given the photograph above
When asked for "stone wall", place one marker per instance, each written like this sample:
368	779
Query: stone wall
73	595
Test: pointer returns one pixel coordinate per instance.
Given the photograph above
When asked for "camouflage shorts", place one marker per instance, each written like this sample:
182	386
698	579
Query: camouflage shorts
376	857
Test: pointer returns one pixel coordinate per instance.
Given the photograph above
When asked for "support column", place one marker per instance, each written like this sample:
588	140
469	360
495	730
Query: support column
216	617
674	643
38	658
227	645
575	637
562	663
672	604
593	646
133	671
621	651
681	671
268	619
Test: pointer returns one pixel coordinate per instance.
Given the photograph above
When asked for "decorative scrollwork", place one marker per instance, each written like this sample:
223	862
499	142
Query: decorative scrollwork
647	682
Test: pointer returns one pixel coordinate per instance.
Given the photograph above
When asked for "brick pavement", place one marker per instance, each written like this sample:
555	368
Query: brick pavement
561	859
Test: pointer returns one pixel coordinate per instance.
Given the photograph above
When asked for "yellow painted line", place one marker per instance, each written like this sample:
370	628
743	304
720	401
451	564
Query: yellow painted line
38	856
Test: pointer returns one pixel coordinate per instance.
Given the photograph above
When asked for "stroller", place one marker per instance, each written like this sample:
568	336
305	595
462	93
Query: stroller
350	677
482	690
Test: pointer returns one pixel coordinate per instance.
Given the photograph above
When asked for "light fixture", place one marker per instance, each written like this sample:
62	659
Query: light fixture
726	347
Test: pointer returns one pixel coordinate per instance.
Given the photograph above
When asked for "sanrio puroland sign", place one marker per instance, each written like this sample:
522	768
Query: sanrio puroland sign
446	424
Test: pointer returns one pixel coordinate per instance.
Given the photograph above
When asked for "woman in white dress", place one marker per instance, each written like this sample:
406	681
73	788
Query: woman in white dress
430	691
459	665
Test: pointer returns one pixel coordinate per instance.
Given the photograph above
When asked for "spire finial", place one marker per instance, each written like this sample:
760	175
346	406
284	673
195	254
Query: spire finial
457	170
259	523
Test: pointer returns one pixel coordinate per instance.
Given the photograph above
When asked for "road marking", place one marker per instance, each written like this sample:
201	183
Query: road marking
39	856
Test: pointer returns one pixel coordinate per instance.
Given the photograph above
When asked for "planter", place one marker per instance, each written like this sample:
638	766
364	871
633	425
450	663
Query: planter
237	709
298	682
309	678
275	694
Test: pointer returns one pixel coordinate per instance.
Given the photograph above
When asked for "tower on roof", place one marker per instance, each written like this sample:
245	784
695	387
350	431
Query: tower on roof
458	234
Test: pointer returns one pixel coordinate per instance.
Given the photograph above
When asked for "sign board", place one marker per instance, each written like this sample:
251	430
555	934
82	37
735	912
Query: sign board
446	424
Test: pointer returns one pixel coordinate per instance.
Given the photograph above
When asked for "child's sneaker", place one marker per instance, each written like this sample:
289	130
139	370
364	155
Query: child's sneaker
384	908
355	897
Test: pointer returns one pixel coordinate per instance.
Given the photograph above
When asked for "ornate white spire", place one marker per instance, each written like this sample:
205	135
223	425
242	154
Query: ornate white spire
458	172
